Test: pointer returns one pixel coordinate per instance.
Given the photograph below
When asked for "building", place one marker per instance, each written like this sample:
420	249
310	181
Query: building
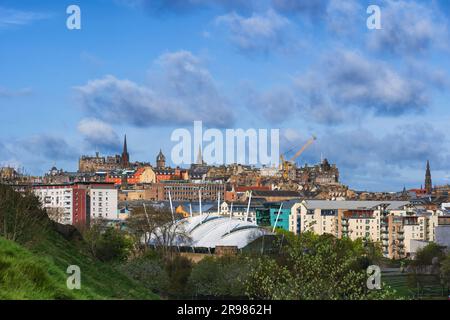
181	190
428	183
204	233
164	174
78	203
160	160
238	210
8	174
281	215
273	195
320	174
141	175
125	159
108	163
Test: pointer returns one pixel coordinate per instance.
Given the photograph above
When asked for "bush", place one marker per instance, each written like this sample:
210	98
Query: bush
222	277
21	215
178	269
108	244
150	272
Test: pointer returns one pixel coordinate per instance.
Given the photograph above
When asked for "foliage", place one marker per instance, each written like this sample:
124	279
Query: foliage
20	214
178	269
445	272
149	222
107	243
219	277
39	272
425	255
150	271
315	267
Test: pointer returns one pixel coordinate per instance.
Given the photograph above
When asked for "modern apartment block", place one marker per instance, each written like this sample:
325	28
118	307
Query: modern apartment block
78	203
396	225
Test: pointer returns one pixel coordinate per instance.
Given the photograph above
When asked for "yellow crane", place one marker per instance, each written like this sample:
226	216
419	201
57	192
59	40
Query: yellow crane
286	165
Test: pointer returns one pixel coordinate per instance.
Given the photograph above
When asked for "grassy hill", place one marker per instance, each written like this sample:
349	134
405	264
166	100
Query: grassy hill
39	272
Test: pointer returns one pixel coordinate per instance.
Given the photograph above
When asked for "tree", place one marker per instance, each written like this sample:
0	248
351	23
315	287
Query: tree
445	272
156	226
150	271
107	243
222	277
178	269
315	267
424	256
20	214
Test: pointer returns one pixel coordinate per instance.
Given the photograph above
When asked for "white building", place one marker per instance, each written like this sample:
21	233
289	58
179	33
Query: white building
78	203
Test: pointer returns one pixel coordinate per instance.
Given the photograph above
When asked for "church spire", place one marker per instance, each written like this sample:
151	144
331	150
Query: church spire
125	154
428	183
199	156
125	145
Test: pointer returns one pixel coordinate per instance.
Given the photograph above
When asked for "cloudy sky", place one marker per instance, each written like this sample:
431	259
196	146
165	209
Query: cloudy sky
377	100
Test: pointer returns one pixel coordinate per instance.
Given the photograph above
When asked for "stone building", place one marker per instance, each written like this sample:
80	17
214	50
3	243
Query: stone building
320	174
108	163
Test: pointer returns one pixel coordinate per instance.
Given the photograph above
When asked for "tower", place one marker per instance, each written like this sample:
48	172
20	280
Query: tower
428	184
199	156
160	160
125	160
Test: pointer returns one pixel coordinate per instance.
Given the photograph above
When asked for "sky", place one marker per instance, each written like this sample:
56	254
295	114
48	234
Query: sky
377	100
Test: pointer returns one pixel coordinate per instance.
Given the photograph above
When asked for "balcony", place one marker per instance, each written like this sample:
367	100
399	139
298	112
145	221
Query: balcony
385	236
344	222
400	237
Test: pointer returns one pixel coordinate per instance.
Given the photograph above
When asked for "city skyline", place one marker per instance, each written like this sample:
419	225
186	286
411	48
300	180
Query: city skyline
375	99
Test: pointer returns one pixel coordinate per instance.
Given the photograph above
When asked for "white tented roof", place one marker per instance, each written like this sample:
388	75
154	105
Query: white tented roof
209	231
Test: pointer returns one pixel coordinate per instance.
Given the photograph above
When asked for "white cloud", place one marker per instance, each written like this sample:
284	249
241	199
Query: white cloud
260	32
184	92
99	134
12	17
409	27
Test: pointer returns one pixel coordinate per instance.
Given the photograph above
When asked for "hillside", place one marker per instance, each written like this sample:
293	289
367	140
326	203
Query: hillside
39	272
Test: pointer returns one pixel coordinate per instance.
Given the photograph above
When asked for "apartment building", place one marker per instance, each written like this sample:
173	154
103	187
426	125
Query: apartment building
405	231
397	225
78	203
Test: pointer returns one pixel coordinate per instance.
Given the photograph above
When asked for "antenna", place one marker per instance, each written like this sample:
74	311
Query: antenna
231	214
200	200
171	207
248	206
148	221
218	203
276	220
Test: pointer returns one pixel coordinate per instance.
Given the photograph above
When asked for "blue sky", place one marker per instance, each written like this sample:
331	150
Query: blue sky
377	100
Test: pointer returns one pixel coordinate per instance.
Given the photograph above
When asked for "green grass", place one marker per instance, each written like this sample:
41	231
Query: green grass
39	272
399	282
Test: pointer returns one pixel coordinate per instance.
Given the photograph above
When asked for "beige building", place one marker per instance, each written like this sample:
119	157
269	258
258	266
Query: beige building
396	225
353	219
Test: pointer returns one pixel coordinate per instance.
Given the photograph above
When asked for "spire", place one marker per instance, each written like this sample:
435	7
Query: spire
428	183
125	155
125	145
199	156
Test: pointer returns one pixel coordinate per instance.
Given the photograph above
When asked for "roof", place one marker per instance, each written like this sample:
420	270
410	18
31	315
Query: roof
275	193
352	205
254	188
209	231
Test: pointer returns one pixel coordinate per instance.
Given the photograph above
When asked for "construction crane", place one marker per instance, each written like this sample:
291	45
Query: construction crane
286	165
